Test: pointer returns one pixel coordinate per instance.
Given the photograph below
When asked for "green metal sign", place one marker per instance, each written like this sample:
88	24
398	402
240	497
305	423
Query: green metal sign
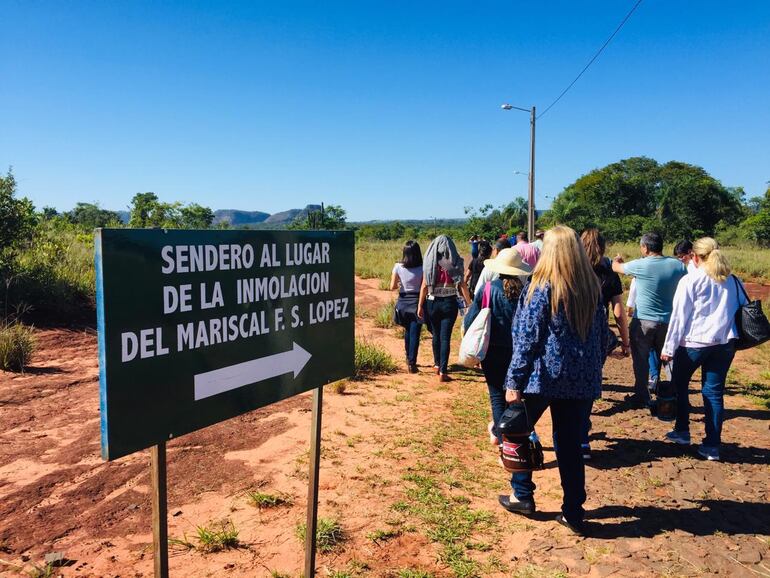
196	327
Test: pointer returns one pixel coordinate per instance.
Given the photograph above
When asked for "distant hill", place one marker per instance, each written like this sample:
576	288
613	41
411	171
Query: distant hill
236	218
286	217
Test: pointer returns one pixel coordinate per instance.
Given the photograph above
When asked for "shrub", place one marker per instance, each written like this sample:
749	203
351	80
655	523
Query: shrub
340	387
55	273
17	343
371	359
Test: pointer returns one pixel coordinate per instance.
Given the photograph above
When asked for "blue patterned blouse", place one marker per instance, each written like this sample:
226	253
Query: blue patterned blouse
549	358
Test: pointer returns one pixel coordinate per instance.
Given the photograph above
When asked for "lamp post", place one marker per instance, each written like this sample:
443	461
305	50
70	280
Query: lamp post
531	199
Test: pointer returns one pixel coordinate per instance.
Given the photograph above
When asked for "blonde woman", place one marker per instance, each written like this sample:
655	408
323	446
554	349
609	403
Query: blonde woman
559	345
701	334
611	295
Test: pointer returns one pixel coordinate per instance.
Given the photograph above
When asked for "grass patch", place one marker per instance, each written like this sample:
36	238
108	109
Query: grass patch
328	534
266	500
375	259
532	571
17	343
758	393
371	359
215	539
340	387
448	522
384	535
409	573
384	316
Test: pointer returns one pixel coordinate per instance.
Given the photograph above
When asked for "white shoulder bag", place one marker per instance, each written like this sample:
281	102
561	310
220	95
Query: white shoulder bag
473	347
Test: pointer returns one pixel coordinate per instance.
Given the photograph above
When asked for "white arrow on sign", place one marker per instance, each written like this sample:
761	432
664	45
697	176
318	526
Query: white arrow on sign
248	372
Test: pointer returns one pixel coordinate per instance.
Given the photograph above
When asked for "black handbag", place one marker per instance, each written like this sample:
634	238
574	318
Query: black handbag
753	326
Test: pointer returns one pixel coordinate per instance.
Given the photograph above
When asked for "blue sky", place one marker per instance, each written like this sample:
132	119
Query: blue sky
390	109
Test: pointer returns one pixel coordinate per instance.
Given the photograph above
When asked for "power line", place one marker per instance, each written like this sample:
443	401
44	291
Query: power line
590	62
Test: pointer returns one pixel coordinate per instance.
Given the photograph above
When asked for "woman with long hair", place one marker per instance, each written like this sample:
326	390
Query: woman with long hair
559	344
443	290
407	277
503	298
701	334
611	295
477	264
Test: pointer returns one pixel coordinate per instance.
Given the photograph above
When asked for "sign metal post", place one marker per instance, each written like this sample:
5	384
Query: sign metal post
159	509
312	490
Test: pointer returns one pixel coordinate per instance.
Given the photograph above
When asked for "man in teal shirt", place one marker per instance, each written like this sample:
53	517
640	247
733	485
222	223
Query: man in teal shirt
656	280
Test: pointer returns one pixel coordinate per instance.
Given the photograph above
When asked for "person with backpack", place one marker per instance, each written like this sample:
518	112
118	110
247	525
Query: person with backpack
407	277
559	337
702	333
611	288
501	295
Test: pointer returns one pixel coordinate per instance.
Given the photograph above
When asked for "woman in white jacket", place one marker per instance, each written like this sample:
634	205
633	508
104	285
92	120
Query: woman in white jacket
701	334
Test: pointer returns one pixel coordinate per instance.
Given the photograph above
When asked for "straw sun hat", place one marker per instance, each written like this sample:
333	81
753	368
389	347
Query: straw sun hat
508	262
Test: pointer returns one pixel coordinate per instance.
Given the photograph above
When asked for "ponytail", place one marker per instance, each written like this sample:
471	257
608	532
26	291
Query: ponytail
713	261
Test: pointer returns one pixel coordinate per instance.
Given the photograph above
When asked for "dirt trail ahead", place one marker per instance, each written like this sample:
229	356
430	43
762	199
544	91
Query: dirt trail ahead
406	471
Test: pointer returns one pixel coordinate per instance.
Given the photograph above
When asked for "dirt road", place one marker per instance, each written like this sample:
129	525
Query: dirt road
406	472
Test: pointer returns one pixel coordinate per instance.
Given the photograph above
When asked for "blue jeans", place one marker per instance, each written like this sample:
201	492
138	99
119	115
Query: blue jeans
654	365
568	417
495	367
412	341
442	314
714	362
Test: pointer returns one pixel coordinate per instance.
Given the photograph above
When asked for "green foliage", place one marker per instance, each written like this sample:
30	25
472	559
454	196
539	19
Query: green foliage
371	359
386	231
90	216
54	274
328	534
635	195
17	343
489	222
147	211
17	221
756	227
194	216
328	218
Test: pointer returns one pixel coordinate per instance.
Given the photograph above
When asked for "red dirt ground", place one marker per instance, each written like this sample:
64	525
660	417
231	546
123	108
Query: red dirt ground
655	509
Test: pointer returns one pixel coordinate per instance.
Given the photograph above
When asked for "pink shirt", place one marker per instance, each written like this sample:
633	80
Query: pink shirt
529	252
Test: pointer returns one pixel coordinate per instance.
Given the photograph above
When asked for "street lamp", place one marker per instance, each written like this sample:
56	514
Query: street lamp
531	174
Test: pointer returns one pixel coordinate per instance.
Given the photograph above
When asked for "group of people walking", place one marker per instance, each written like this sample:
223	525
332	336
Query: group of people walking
549	334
